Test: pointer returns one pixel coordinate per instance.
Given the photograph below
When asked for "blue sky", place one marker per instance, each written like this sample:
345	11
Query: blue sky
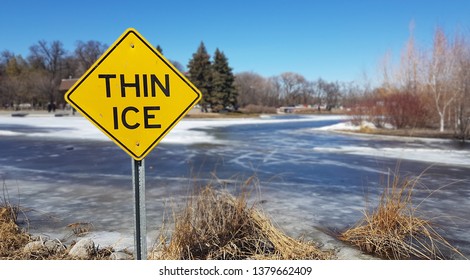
335	40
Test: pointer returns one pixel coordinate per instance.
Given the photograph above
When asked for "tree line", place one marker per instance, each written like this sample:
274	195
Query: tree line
35	80
428	88
222	90
291	89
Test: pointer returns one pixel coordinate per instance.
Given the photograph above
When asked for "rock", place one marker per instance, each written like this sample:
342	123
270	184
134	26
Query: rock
83	249
54	247
34	247
40	248
36	238
120	256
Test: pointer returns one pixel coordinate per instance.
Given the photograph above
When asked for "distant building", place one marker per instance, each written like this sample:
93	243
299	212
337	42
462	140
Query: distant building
66	84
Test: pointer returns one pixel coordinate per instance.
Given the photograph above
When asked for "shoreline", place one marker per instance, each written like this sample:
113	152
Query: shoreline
344	127
411	133
369	129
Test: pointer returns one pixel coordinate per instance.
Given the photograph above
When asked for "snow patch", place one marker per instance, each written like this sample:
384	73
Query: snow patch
347	126
454	157
187	131
9	133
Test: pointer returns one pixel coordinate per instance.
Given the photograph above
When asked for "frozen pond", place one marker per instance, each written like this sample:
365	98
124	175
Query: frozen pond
310	179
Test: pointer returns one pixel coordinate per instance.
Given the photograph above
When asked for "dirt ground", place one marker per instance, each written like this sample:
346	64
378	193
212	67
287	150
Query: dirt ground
421	133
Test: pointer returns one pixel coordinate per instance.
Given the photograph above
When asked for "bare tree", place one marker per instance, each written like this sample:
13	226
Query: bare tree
333	95
49	60
386	69
47	56
439	74
402	88
273	91
251	88
292	87
13	81
408	74
461	52
319	93
309	92
88	52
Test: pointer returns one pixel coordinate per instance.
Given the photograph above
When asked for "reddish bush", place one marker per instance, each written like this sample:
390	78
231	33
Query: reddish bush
370	109
405	110
401	109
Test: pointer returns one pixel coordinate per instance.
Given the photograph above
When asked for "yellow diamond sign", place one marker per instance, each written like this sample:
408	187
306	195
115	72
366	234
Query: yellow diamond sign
133	94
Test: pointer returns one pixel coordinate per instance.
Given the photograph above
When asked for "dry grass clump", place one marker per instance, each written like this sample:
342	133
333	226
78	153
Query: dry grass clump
12	237
216	225
394	230
80	228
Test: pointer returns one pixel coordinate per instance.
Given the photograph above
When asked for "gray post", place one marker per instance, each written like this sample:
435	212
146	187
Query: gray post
140	231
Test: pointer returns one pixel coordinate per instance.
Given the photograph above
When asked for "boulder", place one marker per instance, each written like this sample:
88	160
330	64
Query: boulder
40	248
34	247
120	256
54	247
83	249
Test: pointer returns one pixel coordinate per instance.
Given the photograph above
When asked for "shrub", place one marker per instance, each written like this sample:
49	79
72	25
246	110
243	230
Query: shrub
394	230
216	225
259	109
405	110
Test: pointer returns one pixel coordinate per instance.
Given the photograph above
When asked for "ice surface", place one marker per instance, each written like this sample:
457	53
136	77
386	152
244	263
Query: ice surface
326	169
443	156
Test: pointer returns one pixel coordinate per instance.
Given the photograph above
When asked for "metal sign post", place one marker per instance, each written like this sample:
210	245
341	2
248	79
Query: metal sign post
140	229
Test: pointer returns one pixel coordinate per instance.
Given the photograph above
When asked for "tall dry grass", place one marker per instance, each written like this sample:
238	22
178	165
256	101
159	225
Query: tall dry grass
214	224
395	229
12	237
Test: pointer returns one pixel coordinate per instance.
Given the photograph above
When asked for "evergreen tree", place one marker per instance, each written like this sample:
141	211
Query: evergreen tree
200	74
224	93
